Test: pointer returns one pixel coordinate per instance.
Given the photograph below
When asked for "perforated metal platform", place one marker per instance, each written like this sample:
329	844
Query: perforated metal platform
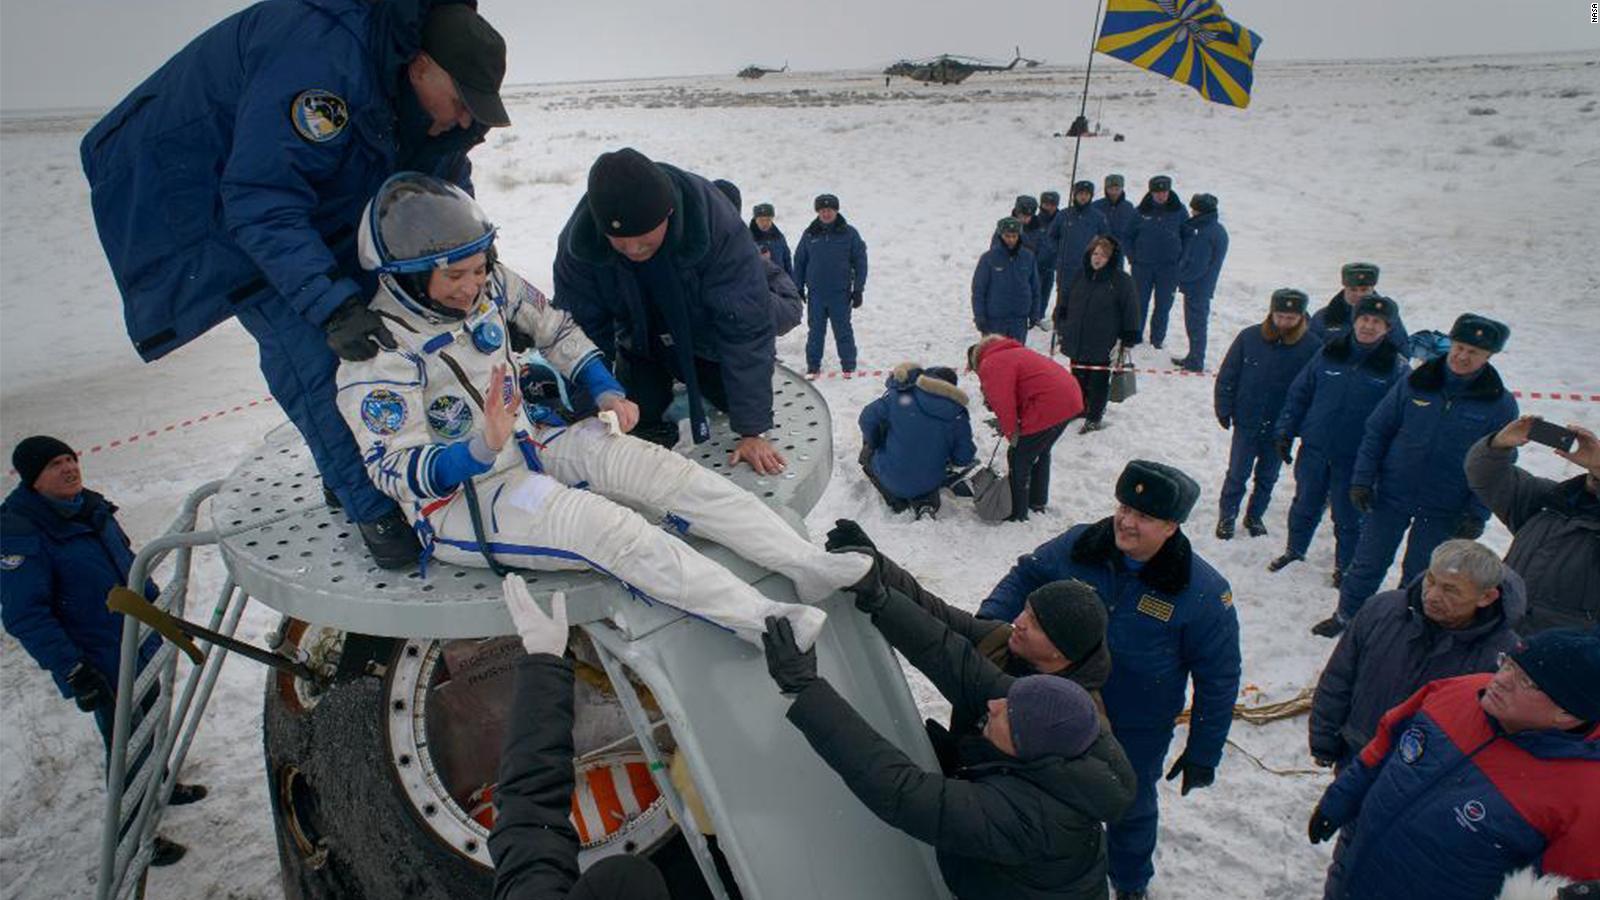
307	561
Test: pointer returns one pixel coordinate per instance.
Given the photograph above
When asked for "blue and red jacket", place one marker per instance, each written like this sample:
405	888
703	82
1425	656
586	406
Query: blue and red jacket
1444	803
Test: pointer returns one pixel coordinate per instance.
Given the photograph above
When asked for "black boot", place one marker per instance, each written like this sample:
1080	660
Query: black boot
1132	895
1225	529
1253	526
1331	627
391	541
185	794
331	500
166	852
1091	426
1287	558
1337	578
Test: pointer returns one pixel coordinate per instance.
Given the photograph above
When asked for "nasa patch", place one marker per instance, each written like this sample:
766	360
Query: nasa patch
11	561
1412	744
383	411
318	116
450	416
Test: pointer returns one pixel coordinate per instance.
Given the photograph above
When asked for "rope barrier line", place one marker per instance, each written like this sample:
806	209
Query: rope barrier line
190	422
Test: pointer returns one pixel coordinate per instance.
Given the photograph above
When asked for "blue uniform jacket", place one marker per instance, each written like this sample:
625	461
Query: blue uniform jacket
1205	246
1033	237
1170	620
776	244
1005	287
236	174
1070	235
1120	217
914	430
1334	320
1416	441
1157	232
1256	374
722	283
1330	400
831	260
55	573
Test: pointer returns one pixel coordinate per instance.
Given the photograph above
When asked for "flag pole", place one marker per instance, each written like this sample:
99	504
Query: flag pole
1081	124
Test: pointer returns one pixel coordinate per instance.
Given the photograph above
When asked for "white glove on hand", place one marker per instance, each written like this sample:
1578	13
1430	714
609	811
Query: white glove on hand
540	633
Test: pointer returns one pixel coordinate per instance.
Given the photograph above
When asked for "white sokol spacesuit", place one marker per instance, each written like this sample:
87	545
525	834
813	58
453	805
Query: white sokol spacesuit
557	495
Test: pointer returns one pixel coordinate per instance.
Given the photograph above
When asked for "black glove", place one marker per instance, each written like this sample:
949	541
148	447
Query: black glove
855	299
1129	338
1195	776
790	668
1285	445
1470	527
1361	498
846	536
1327	754
1320	828
89	688
520	340
1225	422
353	328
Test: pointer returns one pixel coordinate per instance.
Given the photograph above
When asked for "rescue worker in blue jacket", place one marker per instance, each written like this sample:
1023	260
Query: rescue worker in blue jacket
916	438
1118	210
1410	471
1171	618
1070	234
1155	244
1205	246
1049	204
231	181
662	276
769	237
1249	394
1005	284
1327	408
61	551
830	265
1357	280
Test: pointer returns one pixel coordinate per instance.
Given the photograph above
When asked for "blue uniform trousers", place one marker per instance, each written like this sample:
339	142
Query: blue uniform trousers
820	311
299	369
1163	280
1385	525
1320	482
1016	329
1196	316
1250	450
1131	843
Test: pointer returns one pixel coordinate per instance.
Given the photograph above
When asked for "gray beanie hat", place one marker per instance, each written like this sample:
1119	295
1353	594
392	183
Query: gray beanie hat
1051	716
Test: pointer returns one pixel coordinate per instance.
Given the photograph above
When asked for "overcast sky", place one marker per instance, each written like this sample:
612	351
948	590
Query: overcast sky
88	53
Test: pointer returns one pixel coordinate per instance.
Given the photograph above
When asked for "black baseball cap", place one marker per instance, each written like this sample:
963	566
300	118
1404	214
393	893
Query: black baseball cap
474	54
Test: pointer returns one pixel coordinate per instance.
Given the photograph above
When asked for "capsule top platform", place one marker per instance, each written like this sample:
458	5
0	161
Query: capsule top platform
287	549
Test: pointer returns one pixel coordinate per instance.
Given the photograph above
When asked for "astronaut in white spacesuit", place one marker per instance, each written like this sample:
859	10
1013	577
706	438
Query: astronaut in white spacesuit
442	427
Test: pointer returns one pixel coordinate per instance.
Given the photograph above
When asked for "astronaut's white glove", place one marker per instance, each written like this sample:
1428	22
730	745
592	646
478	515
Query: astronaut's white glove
540	633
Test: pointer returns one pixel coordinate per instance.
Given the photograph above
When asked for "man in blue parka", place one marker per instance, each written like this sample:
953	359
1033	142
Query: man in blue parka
231	181
1118	210
1327	408
769	238
1357	280
1049	206
1250	388
1005	284
1069	236
1171	618
1205	246
660	272
1155	245
916	437
1410	472
830	265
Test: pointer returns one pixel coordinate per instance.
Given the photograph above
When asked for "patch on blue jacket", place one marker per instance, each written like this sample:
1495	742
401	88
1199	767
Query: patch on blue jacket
383	411
11	562
450	416
319	116
1412	744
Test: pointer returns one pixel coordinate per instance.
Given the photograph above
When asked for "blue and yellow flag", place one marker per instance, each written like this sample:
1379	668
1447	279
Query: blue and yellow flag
1189	41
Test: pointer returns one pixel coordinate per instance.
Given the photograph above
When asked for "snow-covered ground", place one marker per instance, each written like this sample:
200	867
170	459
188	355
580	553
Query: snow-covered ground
1469	180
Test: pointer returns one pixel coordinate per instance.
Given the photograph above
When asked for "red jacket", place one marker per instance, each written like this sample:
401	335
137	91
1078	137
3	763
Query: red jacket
1019	384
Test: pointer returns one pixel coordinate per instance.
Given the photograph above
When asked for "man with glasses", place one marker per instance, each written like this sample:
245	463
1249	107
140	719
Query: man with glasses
1473	778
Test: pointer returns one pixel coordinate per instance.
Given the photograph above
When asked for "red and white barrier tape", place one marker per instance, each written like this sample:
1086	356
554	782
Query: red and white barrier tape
105	446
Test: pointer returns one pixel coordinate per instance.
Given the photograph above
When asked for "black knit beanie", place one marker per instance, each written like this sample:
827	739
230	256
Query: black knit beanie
628	194
34	453
1071	615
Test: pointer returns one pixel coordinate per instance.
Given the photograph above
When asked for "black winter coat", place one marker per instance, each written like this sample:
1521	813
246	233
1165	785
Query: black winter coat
533	845
1391	649
1098	309
1003	828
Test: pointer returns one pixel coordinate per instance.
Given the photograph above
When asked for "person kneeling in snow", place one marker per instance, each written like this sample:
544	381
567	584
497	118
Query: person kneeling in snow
916	438
444	431
1018	811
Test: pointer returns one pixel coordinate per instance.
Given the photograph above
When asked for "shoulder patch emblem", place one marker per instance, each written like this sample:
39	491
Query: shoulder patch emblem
1156	608
1421	402
318	116
450	416
383	411
1227	598
11	562
1412	744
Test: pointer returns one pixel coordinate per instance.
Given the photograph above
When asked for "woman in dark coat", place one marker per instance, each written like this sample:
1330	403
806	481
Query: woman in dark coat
1097	311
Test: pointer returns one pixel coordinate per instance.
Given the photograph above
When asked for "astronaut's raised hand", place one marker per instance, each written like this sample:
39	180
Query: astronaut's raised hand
540	632
626	411
501	402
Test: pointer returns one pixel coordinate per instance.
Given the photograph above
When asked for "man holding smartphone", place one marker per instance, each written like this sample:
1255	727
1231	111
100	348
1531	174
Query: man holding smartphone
1555	524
